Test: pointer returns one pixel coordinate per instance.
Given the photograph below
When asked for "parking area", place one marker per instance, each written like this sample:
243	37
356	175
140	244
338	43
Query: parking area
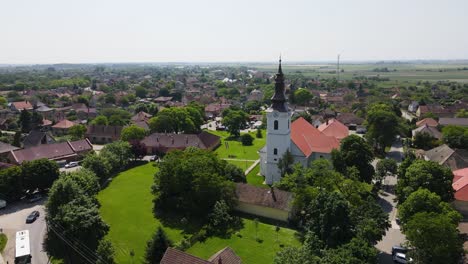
13	219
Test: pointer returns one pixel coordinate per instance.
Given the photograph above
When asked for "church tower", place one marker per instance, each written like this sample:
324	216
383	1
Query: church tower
278	139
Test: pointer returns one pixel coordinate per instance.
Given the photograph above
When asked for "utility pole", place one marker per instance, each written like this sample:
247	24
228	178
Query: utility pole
338	69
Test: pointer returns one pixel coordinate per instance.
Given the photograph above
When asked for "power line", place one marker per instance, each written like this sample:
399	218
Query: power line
68	243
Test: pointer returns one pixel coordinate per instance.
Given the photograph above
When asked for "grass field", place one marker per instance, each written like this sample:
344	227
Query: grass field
234	148
127	208
3	241
254	179
244	165
245	245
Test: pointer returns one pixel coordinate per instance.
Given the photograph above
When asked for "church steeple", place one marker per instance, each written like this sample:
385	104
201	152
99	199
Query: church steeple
279	99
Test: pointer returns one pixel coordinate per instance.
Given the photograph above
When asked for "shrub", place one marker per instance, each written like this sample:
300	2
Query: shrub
247	140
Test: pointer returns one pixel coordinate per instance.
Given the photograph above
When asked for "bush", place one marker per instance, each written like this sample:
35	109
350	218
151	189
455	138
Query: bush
259	133
247	140
3	241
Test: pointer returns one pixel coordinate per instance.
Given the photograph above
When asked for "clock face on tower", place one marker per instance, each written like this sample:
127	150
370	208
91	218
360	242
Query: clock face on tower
275	114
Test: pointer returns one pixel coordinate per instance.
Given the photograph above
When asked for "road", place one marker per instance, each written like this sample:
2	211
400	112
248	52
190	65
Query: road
387	201
13	219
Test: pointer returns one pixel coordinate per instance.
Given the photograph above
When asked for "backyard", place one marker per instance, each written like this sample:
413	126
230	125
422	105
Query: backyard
127	208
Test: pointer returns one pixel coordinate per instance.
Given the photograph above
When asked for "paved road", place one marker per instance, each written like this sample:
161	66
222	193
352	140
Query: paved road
13	219
387	201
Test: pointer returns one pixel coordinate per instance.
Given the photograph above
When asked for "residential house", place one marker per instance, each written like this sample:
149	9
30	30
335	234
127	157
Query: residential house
445	121
157	143
69	151
62	127
5	149
224	256
141	119
38	137
46	112
99	134
460	185
350	120
436	109
215	109
255	95
334	128
455	159
427	121
430	130
269	203
163	99
20	106
413	107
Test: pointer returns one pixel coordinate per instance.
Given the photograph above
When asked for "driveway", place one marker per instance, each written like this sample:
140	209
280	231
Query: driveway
394	236
13	219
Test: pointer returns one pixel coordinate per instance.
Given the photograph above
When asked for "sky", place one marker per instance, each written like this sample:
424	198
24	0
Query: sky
95	31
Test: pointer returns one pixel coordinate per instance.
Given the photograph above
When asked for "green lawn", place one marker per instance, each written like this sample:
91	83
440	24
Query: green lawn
254	179
244	165
3	241
245	244
127	208
234	148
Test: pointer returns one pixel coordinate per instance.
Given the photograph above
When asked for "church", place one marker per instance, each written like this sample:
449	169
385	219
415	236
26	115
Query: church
305	142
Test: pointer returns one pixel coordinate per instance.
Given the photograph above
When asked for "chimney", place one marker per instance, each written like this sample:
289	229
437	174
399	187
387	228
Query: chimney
186	139
220	261
157	138
327	121
273	194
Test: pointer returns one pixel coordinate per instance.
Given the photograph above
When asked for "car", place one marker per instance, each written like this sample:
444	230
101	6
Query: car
32	217
154	158
35	197
71	164
401	258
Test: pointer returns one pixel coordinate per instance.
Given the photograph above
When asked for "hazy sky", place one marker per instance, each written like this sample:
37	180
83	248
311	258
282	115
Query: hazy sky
56	31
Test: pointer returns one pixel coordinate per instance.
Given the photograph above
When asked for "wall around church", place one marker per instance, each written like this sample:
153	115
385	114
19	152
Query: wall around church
262	211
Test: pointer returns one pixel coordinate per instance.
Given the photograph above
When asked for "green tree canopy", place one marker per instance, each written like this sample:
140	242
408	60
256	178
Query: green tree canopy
77	132
39	174
302	96
156	246
382	126
455	136
100	120
234	121
132	132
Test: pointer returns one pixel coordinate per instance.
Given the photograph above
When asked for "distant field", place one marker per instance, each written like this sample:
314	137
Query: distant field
403	73
234	149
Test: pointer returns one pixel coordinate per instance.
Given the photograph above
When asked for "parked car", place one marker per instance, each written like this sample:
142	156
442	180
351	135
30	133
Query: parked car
154	158
71	164
32	217
399	255
3	204
35	197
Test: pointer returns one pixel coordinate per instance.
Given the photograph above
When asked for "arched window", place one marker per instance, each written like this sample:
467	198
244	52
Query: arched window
275	151
275	125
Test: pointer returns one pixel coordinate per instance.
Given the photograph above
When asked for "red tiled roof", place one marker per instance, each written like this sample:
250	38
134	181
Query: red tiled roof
64	124
225	256
81	145
460	184
273	198
23	105
334	128
309	139
429	121
174	256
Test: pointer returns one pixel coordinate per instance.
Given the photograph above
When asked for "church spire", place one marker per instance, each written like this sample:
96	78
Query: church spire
279	99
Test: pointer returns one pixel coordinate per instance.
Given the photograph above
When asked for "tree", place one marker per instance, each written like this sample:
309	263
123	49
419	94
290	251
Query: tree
247	140
357	251
156	246
141	92
105	252
258	134
302	96
25	121
385	166
132	132
455	136
328	216
190	182
77	132
234	173
423	200
434	238
100	121
234	121
98	164
220	219
426	174
118	154
370	221
17	139
382	126
177	119
285	163
36	119
424	141
355	152
11	183
39	174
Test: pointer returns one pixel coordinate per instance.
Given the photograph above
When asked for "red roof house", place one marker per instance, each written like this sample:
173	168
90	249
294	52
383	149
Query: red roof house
334	128
309	139
224	256
427	121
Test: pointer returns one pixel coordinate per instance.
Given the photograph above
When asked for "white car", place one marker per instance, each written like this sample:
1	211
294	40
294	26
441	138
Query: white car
401	258
71	164
3	204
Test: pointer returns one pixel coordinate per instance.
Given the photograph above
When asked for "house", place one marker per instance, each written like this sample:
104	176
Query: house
5	149
455	159
334	128
413	107
460	185
305	142
68	151
38	137
163	99
20	106
224	256
350	120
445	121
430	130
45	111
269	203
255	95
215	109
427	121
141	119
100	134
436	109
157	143
62	127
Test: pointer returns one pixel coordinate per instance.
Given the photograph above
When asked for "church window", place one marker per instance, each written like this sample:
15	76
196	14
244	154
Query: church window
275	125
275	151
